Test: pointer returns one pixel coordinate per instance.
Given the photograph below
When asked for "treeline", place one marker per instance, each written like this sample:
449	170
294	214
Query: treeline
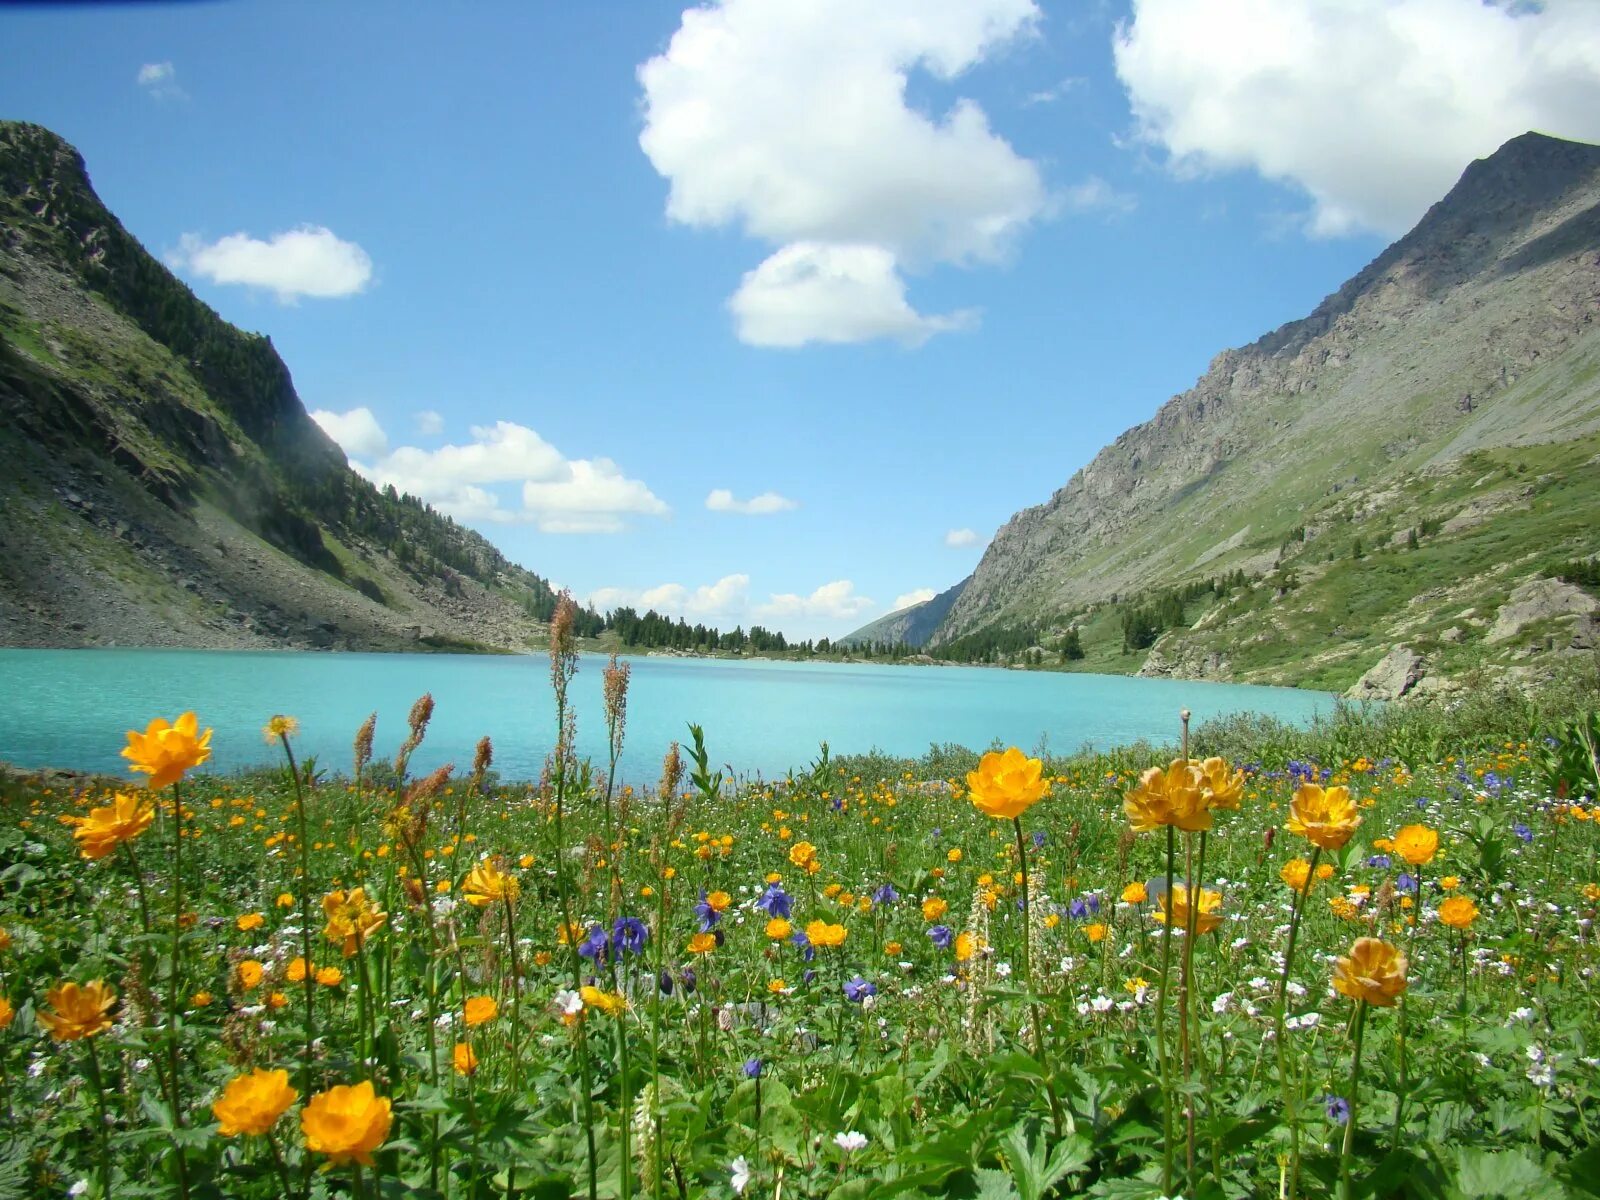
1145	620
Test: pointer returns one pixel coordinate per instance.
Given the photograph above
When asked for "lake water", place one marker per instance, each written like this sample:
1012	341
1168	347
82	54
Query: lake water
70	708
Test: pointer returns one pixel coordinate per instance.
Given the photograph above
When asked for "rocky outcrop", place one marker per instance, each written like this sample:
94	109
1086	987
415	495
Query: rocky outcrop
1395	675
1541	600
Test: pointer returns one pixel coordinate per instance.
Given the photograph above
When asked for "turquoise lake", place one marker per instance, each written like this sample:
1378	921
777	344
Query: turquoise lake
70	708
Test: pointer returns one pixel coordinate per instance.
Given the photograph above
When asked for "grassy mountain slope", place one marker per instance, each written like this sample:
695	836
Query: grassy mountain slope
164	484
1469	349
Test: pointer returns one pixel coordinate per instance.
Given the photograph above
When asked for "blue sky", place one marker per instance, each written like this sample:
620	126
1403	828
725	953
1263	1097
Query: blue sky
752	310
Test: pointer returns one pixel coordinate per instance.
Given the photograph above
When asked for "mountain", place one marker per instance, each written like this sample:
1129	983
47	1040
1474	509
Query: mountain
163	483
913	626
1390	469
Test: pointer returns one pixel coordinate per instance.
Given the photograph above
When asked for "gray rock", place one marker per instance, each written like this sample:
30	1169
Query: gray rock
1396	673
1540	600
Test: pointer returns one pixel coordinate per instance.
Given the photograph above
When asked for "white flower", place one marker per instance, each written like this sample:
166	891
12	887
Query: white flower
850	1141
741	1175
568	1003
1220	1004
1003	970
1308	1020
1541	1075
1102	1003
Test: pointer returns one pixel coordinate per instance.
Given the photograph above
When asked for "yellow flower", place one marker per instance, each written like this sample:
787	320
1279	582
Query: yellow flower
821	933
1222	787
1325	871
776	986
249	974
1296	874
200	999
164	752
892	949
79	1012
966	946
1417	844
718	901
486	883
1450	882
280	726
702	943
1458	912
250	921
277	1000
252	1104
934	907
464	1059
352	918
5	940
610	1003
346	1123
954	855
1208	914
1095	932
1134	893
1175	796
330	976
802	853
6	1012
778	929
1373	971
1006	785
104	829
1324	817
479	1010
296	972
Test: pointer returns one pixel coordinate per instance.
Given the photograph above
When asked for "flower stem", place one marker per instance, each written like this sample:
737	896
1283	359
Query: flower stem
100	1107
1161	1023
1346	1187
175	985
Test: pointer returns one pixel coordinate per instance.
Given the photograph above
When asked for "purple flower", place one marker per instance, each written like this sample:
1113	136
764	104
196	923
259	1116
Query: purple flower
752	1068
1406	882
708	915
666	983
595	944
1038	839
1381	861
941	936
775	902
885	895
1338	1108
809	977
629	935
808	951
1084	906
858	989
1522	831
688	980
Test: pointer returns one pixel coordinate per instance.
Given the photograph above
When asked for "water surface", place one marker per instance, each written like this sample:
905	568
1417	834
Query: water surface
70	708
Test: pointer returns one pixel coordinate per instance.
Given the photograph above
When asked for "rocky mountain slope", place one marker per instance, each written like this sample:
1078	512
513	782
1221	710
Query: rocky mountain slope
163	483
1451	388
913	625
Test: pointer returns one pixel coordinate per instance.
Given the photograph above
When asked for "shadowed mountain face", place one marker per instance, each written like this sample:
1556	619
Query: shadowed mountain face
1478	331
164	483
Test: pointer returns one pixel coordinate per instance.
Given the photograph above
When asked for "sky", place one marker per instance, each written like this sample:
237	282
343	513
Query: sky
773	311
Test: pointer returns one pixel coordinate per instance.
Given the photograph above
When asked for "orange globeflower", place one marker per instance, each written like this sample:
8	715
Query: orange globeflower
610	1003
352	918
346	1123
249	921
719	901
479	1010
104	829
778	929
1324	817
1175	796
486	883
330	976
1417	844
78	1012
1458	912
1373	971
802	854
1222	786
1296	874
252	1104
702	943
250	972
934	907
296	972
464	1059
165	751
966	946
821	933
1135	893
1006	785
1208	913
6	1012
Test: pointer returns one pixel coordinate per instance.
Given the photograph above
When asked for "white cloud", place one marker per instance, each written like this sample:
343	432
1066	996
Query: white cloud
1096	195
307	261
554	493
831	601
722	500
161	81
429	423
958	539
813	292
357	431
790	122
710	602
919	596
1372	107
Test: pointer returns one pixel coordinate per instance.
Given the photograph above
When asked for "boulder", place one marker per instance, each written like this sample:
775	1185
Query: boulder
1540	600
1396	673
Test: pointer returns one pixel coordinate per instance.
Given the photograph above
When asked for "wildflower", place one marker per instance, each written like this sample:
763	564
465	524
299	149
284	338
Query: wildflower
850	1141
858	989
807	950
251	1104
296	971
250	971
346	1123
1417	844
741	1175
629	935
1296	874
1207	915
250	921
702	943
279	727
1174	796
330	976
941	936
1324	817
1222	787
1325	871
803	854
1450	882
610	1003
7	1013
78	1012
1006	785
277	1000
165	751
708	913
1373	971
821	933
1134	893
595	944
775	902
1338	1108
352	918
479	1010
1095	931
954	854
464	1059
569	1005
200	999
778	929
284	900
718	901
885	895
1523	832
966	946
752	1068
487	883
1084	906
104	829
1458	912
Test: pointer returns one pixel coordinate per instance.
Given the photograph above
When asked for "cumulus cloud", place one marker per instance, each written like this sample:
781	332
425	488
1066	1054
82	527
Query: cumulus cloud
1094	194
709	602
160	80
790	122
357	431
816	292
832	601
470	482
722	500
429	423
307	261
919	596
958	539
1371	107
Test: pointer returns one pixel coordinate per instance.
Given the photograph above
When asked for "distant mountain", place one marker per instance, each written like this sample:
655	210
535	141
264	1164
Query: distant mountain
1391	469
912	626
163	484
